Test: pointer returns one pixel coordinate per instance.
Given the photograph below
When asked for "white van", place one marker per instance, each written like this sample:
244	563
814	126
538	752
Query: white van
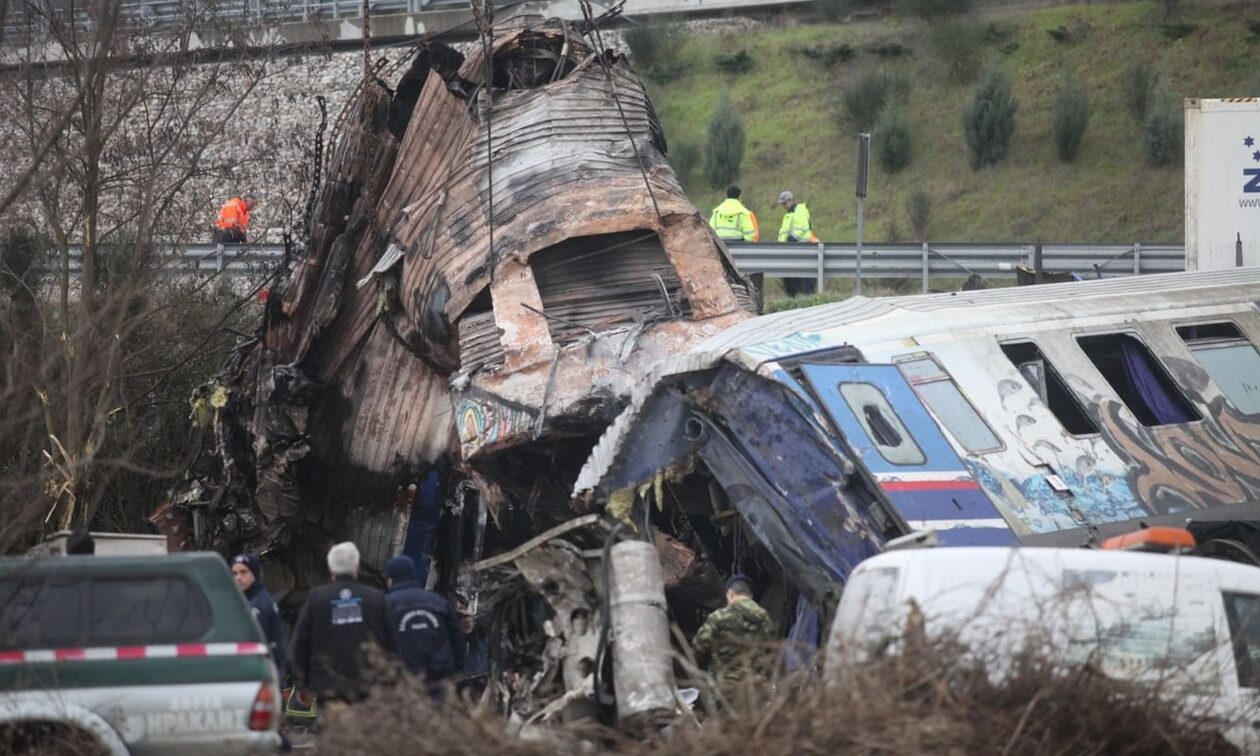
1189	624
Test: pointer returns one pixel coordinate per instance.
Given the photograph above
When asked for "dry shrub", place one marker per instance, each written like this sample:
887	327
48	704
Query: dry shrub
926	700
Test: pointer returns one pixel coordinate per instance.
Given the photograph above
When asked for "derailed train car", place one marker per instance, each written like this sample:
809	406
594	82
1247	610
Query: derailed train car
794	445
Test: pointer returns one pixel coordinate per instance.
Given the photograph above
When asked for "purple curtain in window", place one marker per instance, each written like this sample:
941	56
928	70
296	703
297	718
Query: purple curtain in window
1145	381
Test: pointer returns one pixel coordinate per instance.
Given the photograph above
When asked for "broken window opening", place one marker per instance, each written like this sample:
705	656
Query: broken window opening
937	389
1230	359
1139	379
593	283
881	423
479	342
1044	379
536	60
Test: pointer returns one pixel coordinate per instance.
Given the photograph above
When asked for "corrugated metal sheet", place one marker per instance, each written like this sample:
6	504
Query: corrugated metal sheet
479	341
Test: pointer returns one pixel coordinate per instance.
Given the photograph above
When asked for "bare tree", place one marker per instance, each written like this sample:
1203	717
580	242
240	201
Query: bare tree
127	131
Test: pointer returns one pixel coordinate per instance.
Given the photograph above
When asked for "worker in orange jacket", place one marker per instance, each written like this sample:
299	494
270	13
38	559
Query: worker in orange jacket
233	220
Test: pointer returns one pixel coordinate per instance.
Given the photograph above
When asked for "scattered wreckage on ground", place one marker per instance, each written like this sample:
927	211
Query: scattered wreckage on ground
513	349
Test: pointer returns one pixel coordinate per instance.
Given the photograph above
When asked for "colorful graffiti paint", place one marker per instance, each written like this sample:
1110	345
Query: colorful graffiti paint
484	422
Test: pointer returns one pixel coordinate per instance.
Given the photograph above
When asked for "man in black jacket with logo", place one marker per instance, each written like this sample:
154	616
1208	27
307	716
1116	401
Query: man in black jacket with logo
336	626
429	638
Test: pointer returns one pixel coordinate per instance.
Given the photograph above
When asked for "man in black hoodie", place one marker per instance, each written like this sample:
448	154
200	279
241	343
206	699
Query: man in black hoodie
247	570
429	638
339	621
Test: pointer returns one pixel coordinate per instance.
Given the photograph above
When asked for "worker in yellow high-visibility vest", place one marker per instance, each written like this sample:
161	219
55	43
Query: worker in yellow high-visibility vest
732	221
796	228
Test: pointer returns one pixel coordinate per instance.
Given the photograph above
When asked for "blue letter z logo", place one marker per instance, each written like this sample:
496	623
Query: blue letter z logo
1252	186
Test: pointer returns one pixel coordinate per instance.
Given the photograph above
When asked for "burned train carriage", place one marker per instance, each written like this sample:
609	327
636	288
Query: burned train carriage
795	445
499	250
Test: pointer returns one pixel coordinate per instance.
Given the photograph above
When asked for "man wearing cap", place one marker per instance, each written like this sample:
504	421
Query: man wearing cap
428	629
727	643
247	571
338	623
796	228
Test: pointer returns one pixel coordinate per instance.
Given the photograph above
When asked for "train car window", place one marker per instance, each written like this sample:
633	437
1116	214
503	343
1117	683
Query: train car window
1230	359
938	391
1045	380
1138	379
882	426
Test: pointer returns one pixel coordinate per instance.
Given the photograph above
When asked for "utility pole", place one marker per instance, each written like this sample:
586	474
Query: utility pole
863	165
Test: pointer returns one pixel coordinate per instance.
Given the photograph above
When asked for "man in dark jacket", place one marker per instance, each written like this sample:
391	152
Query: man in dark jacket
247	570
336	625
429	638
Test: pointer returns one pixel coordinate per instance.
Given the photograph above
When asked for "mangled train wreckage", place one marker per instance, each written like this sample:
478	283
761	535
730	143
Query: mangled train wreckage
510	330
499	251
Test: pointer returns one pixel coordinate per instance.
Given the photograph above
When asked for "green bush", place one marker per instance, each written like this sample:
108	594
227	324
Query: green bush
989	120
1177	30
724	148
959	45
737	62
684	157
1076	30
1070	119
936	9
665	72
998	34
888	50
1137	86
651	46
919	210
893	135
828	55
1163	138
1253	26
892	228
863	101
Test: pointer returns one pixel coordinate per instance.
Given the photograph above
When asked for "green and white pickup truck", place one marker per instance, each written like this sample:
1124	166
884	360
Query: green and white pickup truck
134	655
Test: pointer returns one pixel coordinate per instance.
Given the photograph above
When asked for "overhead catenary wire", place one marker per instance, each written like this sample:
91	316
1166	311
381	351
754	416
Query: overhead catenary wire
483	13
592	29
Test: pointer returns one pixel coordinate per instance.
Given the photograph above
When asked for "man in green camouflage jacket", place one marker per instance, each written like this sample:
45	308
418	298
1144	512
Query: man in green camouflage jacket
730	643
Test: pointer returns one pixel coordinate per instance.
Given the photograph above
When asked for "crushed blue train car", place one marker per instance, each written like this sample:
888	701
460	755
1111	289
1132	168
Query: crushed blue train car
794	445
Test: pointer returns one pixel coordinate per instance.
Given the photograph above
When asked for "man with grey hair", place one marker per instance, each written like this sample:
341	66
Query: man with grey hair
336	626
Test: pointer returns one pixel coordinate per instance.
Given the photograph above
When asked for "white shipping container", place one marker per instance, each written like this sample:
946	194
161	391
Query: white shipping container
1222	182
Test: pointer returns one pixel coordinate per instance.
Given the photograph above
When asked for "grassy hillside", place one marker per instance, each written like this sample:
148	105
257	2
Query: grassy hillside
795	139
